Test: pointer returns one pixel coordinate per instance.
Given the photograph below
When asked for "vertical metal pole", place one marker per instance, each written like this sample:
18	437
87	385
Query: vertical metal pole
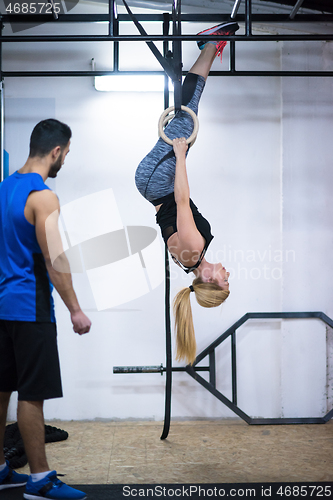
234	367
212	368
166	28
177	53
111	16
168	370
248	17
232	64
116	46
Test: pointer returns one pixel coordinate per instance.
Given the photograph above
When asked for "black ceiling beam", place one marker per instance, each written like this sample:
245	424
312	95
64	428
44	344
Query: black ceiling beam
69	74
199	18
161	38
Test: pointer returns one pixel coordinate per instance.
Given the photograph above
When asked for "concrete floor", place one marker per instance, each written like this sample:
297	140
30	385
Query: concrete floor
214	451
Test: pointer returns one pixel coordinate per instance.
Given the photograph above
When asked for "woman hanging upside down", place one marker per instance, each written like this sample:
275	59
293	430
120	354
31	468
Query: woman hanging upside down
162	179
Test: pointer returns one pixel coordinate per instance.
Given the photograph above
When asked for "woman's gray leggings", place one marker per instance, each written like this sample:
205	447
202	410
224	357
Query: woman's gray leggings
155	175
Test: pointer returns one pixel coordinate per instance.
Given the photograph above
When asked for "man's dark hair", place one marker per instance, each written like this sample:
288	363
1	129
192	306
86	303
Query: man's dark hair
47	135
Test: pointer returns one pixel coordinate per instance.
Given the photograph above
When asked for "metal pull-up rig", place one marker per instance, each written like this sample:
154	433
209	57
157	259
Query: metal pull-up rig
171	66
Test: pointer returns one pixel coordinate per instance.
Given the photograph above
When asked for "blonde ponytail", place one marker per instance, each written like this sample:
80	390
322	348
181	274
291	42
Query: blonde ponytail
207	295
185	337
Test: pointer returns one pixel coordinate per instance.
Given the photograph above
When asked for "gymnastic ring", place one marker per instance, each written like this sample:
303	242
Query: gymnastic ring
164	120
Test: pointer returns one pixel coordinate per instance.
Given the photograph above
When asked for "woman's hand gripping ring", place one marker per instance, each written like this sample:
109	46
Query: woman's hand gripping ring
164	119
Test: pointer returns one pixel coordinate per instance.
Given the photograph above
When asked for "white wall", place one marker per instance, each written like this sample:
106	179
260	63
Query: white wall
260	171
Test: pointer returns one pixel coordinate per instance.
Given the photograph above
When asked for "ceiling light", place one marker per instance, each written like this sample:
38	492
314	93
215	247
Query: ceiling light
130	83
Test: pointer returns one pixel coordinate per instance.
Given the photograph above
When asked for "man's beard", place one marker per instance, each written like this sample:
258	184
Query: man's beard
55	167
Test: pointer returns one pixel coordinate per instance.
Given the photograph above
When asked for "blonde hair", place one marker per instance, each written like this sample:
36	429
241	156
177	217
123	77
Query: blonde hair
207	295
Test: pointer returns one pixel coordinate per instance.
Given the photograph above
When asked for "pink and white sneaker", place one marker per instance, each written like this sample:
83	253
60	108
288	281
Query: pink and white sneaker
228	28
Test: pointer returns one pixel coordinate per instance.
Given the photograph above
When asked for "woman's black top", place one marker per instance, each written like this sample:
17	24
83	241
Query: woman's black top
166	218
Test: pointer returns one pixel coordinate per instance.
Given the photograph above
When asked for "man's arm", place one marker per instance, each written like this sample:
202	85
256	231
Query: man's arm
44	206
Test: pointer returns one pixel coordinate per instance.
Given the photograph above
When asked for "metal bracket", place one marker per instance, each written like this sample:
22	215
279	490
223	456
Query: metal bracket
193	370
163	62
54	13
296	9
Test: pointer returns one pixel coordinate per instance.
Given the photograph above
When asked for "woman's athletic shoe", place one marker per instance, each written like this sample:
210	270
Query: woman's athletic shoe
51	487
229	28
11	479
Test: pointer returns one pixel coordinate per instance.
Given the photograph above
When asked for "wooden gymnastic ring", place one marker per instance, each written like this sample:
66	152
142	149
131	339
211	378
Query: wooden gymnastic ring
164	118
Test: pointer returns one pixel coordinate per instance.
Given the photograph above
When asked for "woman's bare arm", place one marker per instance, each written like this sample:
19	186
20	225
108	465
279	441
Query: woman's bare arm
181	187
188	234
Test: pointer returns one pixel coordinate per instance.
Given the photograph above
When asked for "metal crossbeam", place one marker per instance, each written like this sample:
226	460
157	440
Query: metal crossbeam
155	369
162	38
192	18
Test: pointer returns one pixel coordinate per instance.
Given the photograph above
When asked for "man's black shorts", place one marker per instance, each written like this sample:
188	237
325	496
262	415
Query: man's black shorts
29	360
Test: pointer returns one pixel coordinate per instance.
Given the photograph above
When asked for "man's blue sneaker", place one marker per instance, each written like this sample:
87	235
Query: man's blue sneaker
11	479
51	487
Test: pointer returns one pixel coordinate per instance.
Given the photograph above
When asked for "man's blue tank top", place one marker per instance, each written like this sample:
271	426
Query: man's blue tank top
25	287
